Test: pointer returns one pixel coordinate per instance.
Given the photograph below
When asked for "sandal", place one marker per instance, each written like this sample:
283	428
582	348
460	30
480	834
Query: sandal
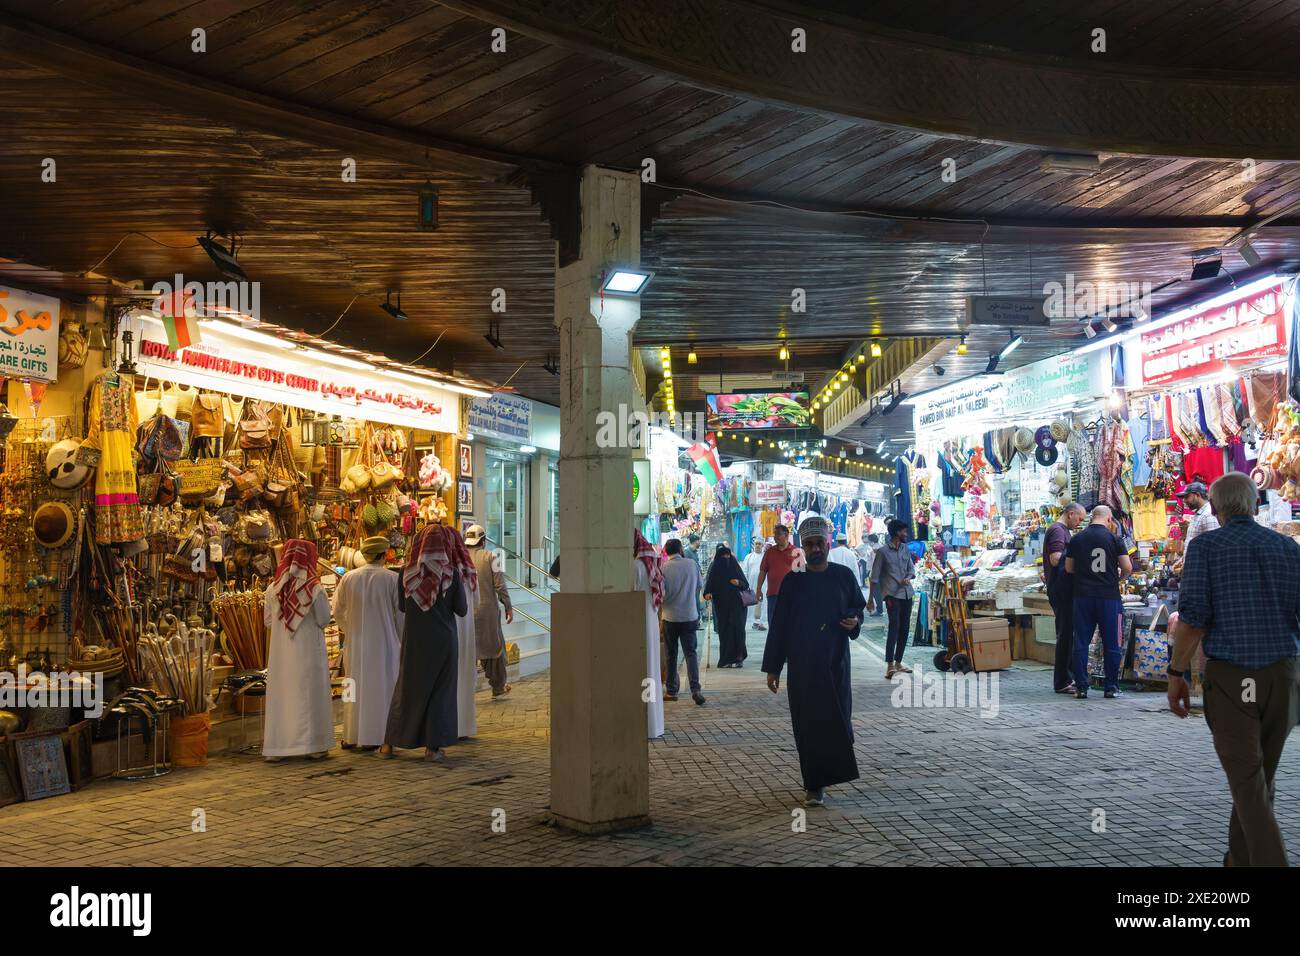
437	756
386	754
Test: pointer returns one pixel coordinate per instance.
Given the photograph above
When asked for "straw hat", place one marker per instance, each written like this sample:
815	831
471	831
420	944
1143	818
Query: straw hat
53	524
62	467
1024	441
1060	429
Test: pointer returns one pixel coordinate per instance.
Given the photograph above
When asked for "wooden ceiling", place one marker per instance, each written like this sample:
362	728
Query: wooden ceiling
1249	37
154	138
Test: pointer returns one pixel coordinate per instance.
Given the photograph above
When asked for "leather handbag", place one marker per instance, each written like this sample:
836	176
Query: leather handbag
748	597
206	418
255	428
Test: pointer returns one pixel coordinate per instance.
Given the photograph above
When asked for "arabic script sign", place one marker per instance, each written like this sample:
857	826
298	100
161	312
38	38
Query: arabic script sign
29	335
503	416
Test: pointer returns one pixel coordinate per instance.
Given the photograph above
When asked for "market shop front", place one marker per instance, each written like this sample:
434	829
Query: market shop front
147	495
1128	422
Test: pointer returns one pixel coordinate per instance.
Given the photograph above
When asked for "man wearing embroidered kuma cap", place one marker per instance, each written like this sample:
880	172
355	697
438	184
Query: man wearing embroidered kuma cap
819	613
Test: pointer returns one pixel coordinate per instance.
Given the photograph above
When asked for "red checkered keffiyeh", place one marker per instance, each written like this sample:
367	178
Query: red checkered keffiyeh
436	554
645	552
296	581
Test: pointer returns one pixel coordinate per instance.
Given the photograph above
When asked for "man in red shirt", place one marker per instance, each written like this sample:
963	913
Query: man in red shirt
776	564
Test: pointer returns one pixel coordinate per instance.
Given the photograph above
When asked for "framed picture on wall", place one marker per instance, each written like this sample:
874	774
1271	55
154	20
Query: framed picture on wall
464	497
465	459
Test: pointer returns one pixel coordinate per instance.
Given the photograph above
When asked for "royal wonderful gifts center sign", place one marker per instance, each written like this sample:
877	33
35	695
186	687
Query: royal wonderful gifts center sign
1248	329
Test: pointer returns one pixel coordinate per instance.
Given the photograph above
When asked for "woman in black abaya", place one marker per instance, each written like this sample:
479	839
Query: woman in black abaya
726	581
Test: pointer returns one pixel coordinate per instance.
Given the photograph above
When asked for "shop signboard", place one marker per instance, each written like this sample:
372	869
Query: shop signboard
969	403
1007	311
226	365
29	335
502	416
769	493
1248	329
641	488
1059	382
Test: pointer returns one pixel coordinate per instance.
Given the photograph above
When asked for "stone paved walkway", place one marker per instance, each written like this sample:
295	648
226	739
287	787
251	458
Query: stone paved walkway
938	787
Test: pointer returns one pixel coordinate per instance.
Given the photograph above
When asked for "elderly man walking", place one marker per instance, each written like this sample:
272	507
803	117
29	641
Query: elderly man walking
1240	599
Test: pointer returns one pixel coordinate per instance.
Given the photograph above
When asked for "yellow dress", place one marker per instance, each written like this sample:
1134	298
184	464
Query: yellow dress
112	430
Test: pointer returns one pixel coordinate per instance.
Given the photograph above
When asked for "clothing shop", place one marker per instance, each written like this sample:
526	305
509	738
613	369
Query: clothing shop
148	491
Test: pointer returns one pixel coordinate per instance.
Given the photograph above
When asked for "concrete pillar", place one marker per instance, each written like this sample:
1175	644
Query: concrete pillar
600	779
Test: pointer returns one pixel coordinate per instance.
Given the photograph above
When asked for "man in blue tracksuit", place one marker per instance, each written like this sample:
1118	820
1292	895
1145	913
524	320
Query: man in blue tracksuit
1098	561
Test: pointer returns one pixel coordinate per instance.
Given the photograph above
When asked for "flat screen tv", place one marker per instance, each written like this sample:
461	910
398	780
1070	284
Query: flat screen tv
758	410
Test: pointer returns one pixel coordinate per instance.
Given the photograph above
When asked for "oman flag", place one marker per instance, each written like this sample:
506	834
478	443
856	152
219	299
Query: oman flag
179	319
705	456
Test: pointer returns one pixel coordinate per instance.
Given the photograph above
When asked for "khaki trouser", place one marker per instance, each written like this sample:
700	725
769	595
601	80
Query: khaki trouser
494	669
1249	735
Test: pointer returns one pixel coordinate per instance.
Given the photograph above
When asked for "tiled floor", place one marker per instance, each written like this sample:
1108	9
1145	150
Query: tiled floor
938	787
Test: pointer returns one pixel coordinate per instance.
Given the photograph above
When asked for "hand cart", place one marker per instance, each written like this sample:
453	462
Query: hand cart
957	655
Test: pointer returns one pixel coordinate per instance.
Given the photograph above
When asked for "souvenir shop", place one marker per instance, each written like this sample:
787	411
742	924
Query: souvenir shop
146	492
1128	424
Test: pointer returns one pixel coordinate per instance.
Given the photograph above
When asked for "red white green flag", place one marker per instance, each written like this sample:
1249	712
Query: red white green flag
705	457
180	319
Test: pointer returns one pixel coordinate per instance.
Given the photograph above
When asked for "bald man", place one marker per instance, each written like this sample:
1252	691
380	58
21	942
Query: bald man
1098	561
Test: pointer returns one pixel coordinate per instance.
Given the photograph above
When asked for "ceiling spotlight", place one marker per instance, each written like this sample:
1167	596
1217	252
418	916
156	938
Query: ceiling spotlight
961	346
875	350
1206	263
618	280
690	356
1013	342
784	354
1108	323
222	258
1249	253
494	335
394	310
428	206
1139	314
1089	331
939	370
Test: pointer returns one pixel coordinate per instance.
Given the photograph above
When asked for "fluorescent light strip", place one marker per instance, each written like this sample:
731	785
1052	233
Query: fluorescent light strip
343	360
239	332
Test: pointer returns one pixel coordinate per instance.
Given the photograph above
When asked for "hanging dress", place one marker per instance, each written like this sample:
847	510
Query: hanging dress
118	518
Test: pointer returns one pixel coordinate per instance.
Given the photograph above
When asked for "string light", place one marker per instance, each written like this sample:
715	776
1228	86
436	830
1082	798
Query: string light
875	350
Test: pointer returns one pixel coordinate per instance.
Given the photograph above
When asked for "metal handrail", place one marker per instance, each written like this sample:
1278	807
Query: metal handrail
521	559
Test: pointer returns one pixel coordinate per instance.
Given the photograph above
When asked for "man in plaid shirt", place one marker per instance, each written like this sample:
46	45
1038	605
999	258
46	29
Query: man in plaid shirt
1240	598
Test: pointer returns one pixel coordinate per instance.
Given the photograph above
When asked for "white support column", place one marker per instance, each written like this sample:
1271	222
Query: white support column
599	754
